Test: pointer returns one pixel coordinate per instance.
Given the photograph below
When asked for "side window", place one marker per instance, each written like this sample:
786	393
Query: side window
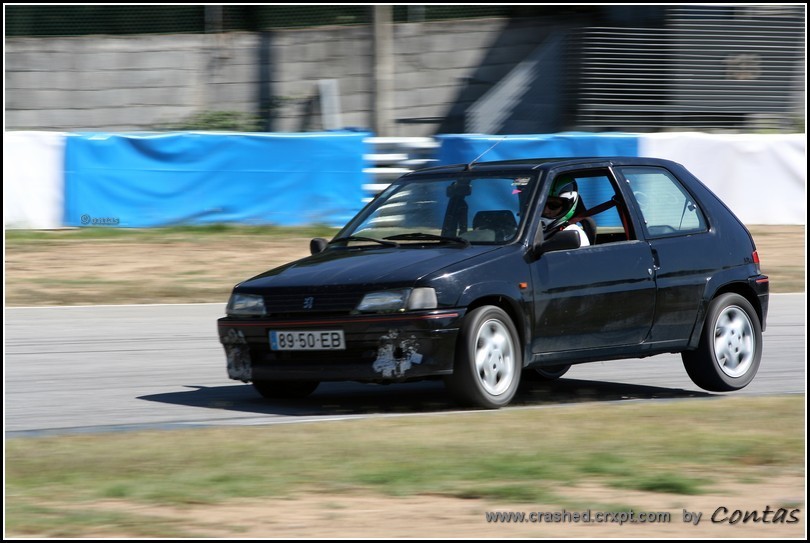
597	190
599	208
667	208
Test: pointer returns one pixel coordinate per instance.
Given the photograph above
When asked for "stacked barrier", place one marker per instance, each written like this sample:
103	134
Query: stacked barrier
56	180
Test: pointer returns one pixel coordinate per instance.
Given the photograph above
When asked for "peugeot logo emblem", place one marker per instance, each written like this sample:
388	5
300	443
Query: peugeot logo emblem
309	301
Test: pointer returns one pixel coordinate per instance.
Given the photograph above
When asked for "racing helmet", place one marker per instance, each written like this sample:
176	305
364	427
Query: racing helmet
561	203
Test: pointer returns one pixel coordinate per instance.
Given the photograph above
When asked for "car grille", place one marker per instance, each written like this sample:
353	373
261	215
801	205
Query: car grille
296	304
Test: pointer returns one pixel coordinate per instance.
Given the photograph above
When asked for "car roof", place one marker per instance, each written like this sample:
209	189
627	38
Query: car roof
539	164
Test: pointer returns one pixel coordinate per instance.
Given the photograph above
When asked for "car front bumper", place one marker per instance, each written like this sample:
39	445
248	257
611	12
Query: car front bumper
378	348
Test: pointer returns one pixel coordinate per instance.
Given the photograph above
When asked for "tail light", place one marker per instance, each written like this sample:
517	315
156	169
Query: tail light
755	257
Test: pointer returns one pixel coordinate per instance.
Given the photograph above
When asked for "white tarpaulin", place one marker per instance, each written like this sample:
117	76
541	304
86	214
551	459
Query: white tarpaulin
761	177
33	179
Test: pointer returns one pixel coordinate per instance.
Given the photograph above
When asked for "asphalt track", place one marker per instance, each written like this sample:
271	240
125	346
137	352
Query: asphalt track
114	368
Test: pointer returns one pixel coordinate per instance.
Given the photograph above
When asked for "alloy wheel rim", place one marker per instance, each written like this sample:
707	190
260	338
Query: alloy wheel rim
494	357
734	343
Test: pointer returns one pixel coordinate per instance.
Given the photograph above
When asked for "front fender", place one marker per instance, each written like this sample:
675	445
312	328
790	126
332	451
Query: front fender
490	289
509	296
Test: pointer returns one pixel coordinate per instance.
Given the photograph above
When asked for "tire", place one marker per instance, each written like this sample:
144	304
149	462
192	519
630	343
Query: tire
730	348
547	373
278	390
488	360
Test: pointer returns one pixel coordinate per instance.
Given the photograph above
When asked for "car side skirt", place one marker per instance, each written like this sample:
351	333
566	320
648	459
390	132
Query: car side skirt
641	350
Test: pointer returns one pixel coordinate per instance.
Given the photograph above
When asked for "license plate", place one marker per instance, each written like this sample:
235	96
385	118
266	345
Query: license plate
307	340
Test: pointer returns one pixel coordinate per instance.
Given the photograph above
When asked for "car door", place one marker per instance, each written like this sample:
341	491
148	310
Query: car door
598	296
683	248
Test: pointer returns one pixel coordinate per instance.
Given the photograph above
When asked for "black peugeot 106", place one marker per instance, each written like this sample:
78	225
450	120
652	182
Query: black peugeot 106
483	273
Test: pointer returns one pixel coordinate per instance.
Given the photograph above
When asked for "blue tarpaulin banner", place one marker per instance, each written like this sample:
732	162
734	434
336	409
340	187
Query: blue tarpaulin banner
148	180
464	148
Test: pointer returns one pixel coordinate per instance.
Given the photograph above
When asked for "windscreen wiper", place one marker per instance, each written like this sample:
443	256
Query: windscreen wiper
346	239
421	236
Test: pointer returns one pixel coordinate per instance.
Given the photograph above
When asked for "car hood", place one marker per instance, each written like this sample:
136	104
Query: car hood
365	266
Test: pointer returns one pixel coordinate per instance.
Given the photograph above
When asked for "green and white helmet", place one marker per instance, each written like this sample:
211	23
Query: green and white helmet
565	190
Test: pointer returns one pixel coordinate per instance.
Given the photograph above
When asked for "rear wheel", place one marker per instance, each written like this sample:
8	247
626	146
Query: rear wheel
488	360
276	390
730	348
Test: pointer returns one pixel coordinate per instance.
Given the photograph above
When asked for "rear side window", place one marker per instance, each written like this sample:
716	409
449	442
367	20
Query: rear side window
667	208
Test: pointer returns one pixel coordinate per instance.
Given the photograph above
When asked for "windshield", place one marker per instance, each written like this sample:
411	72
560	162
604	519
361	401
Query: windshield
477	210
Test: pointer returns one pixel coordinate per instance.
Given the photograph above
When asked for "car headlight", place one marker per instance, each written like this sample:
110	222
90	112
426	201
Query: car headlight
388	301
245	304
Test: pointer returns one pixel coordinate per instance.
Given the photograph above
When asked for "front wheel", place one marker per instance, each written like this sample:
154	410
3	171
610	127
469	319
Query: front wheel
277	390
545	373
488	360
730	348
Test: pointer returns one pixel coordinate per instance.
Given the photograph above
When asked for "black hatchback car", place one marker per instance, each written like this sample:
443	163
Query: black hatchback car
481	274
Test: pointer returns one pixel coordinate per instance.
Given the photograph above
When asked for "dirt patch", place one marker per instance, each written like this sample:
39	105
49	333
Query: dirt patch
782	252
374	516
88	272
60	271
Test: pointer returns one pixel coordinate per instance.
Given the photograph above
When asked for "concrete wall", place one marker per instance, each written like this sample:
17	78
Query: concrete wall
126	83
135	83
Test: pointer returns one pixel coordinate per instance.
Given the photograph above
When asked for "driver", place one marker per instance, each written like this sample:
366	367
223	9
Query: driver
560	206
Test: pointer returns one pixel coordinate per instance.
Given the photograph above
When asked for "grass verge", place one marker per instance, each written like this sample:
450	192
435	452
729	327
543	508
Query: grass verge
518	455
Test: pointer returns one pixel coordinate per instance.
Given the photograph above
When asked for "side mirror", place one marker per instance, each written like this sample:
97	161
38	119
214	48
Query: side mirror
317	245
561	241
